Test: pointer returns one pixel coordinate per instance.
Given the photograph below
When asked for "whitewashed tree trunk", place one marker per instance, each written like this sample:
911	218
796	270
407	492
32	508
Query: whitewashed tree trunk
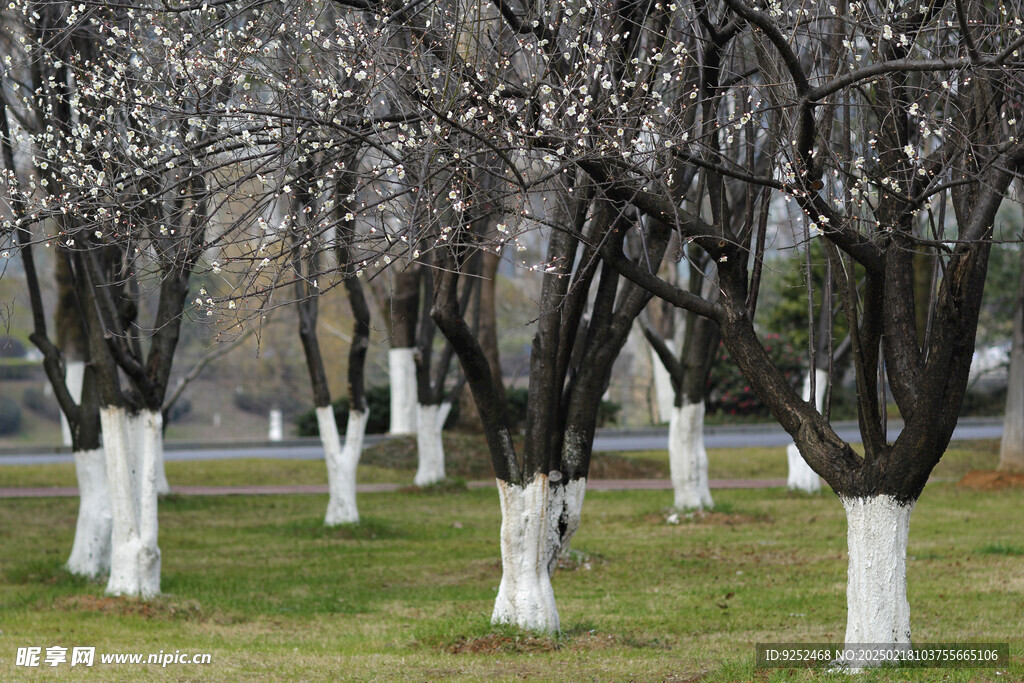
688	459
801	476
135	558
402	371
429	445
74	375
149	426
151	453
341	463
664	395
1011	447
537	523
90	552
876	594
275	431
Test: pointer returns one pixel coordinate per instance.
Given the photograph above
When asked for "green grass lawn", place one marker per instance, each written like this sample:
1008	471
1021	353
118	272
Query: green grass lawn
259	583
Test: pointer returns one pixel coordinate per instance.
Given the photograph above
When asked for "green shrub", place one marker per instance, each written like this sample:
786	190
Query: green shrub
20	368
981	403
10	416
729	391
181	409
518	398
38	402
379	399
379	403
608	414
11	347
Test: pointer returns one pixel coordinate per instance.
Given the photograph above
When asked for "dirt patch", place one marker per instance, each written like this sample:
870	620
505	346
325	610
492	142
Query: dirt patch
502	643
156	609
991	480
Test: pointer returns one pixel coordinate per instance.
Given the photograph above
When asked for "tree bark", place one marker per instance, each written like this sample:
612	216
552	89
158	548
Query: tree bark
141	427
664	396
401	356
341	463
688	459
537	521
487	327
487	333
90	552
429	446
74	374
876	596
135	558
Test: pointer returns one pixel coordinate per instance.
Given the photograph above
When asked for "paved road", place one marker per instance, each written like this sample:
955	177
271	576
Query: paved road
744	436
592	485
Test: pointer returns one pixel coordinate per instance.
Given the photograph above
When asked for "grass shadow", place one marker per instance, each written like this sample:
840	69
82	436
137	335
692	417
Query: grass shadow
1000	549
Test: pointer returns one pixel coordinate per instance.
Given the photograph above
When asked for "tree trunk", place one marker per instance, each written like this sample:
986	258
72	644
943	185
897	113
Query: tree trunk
688	459
404	305
664	396
275	428
1011	448
146	422
801	476
487	335
537	522
402	370
73	377
488	325
152	452
429	444
135	557
341	463
876	595
90	552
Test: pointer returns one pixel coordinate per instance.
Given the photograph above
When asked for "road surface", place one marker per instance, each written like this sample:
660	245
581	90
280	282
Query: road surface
744	436
321	489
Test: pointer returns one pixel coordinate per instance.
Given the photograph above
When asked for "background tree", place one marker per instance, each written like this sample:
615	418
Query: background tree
1011	448
54	119
73	385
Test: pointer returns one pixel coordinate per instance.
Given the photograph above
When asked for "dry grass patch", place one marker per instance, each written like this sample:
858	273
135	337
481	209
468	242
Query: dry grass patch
991	480
507	640
160	608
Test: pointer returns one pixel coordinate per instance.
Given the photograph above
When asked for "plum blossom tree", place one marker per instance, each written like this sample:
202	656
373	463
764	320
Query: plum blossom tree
105	116
73	385
866	165
876	112
55	113
612	129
